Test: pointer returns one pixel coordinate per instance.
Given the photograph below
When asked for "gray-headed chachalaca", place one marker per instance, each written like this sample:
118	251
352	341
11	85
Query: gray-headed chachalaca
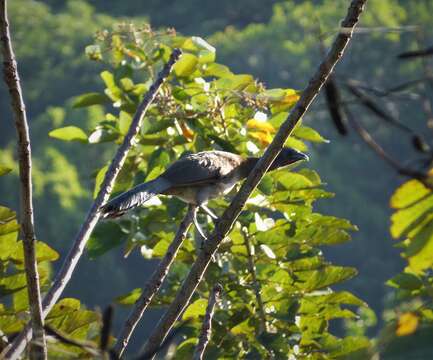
197	178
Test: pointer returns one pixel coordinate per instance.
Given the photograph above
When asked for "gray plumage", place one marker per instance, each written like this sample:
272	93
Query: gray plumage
196	178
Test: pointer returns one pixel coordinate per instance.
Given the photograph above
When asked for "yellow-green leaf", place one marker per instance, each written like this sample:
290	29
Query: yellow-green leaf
69	133
408	193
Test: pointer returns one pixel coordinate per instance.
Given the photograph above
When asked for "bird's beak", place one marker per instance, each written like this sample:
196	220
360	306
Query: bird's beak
300	156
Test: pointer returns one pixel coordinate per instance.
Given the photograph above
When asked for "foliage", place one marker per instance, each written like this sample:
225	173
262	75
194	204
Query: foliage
68	316
204	106
412	313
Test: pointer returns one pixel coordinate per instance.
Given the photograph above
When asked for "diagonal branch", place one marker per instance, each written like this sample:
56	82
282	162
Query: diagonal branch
154	283
206	329
71	261
227	220
368	139
12	80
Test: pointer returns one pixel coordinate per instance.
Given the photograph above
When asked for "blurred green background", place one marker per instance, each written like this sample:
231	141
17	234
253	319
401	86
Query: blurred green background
276	41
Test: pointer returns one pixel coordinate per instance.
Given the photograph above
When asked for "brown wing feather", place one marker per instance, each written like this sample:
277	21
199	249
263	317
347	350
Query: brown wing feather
205	167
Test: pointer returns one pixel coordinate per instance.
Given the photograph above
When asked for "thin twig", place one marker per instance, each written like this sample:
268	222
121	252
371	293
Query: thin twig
12	80
370	104
368	139
416	53
206	329
154	283
71	261
227	220
256	284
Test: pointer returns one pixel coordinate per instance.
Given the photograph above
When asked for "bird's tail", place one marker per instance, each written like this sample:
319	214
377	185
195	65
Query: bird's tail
135	197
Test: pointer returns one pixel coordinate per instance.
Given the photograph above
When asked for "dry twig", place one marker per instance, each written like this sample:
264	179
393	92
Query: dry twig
12	80
206	329
154	283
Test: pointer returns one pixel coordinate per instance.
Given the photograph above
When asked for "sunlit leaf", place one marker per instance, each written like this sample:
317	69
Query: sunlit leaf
404	220
309	134
407	324
196	309
408	193
186	65
69	133
130	298
263	126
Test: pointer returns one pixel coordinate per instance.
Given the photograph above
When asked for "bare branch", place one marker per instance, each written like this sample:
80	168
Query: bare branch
71	261
154	283
12	80
227	220
256	284
370	104
367	138
416	53
206	329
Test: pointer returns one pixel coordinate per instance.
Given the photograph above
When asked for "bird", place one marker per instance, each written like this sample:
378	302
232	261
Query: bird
197	178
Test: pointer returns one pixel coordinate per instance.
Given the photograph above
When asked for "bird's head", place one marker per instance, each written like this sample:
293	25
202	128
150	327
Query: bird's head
288	156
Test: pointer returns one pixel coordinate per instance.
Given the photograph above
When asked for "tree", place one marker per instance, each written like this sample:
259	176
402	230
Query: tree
205	105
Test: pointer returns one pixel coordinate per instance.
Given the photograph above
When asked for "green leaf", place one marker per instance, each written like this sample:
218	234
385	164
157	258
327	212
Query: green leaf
186	65
309	134
112	90
217	70
106	236
4	170
266	185
292	181
6	215
130	298
185	349
406	281
69	133
90	99
125	121
99	179
12	283
234	82
43	252
296	144
319	279
196	309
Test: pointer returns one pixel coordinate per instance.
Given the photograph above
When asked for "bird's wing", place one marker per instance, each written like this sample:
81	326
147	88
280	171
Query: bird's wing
206	167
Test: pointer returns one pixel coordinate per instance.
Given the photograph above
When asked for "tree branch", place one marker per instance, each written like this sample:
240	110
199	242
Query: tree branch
206	329
367	138
227	220
154	283
71	261
12	80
